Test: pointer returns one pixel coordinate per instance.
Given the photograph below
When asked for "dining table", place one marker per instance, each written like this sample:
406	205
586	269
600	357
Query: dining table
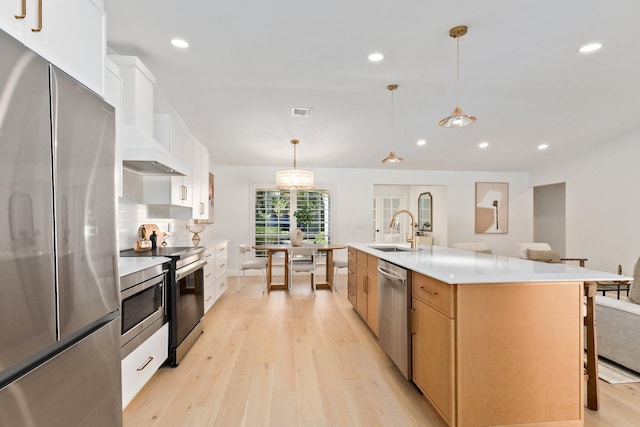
282	248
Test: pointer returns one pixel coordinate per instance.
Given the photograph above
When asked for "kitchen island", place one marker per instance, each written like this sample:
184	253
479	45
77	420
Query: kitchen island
495	340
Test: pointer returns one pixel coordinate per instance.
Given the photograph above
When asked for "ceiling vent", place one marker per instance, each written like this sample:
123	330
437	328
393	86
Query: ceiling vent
301	111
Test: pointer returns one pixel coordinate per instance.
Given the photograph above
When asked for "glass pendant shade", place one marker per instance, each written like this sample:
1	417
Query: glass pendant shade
457	119
294	179
392	158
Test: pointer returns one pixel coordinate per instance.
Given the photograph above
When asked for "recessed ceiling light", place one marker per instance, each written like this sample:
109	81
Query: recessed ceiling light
483	144
376	57
421	142
543	146
591	47
183	44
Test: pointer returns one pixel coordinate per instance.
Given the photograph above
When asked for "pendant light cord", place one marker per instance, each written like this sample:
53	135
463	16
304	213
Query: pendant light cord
294	156
392	127
458	71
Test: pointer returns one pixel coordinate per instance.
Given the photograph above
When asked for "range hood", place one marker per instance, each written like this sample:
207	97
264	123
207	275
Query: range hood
141	152
148	157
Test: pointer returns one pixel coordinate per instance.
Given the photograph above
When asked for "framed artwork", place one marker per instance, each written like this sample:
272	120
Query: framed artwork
492	207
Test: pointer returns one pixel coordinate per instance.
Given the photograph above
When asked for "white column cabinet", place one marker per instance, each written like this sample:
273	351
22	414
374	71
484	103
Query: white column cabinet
215	272
72	35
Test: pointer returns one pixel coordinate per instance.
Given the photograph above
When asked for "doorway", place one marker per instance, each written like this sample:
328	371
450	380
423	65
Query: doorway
549	216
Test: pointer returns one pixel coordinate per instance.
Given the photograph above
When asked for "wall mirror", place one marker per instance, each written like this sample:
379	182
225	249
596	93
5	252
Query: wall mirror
425	213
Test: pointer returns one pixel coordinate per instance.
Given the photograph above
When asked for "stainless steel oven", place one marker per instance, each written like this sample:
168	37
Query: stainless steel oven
143	305
188	307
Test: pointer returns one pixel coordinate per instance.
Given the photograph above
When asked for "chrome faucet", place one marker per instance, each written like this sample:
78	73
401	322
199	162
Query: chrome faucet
412	239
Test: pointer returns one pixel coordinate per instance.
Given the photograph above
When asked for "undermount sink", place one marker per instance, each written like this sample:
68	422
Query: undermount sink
391	248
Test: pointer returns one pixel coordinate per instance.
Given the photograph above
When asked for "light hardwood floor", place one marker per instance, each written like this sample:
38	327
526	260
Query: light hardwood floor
299	360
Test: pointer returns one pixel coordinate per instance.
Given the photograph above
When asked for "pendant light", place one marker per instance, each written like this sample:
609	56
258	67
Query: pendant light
294	179
392	157
457	119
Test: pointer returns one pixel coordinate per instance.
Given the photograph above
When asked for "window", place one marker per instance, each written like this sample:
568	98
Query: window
277	212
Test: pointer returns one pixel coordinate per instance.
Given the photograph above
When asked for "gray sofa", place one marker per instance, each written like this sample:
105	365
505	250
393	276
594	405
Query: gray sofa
618	329
618	326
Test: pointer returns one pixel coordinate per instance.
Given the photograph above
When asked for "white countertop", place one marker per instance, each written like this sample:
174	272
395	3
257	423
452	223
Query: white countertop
455	266
129	265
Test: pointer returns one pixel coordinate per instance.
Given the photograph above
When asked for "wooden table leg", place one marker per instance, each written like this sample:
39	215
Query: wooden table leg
269	270
329	269
590	289
286	270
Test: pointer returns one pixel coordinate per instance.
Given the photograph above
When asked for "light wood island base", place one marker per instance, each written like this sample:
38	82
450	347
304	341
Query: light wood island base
499	354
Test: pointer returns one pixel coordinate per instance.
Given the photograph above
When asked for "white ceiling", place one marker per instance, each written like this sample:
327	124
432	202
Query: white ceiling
251	61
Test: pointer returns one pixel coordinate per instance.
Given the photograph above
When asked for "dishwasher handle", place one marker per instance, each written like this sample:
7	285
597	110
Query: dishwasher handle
390	274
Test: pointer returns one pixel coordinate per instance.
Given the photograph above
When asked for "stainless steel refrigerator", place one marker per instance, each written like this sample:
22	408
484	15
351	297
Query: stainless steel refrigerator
59	296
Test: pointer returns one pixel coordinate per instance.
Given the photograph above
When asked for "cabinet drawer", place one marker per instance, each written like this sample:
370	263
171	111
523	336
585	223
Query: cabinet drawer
361	257
372	262
209	273
221	264
435	293
139	366
209	295
221	285
221	249
351	252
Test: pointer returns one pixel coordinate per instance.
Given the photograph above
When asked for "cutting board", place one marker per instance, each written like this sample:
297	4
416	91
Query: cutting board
145	231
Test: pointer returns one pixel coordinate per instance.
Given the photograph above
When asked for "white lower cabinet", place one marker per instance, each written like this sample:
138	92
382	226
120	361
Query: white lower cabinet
139	366
215	272
209	278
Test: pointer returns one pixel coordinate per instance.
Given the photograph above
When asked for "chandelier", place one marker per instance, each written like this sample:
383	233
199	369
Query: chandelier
294	178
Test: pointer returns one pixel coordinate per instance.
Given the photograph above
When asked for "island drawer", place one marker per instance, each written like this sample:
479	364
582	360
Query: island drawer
435	293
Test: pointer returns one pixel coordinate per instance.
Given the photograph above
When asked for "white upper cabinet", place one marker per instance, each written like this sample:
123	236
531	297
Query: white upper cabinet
178	190
71	35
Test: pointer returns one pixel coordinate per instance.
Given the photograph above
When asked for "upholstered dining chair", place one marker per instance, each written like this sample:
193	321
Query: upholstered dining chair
302	259
543	252
248	261
474	247
338	264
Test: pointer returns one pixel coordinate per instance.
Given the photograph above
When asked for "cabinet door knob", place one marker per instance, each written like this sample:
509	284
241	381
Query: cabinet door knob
24	10
39	27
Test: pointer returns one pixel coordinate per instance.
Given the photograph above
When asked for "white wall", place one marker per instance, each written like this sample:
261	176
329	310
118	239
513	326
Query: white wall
602	202
353	194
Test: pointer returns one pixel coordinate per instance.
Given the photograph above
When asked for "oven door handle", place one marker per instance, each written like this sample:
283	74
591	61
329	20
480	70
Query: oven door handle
188	269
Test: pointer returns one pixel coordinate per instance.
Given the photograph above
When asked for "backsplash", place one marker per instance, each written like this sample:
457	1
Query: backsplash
132	214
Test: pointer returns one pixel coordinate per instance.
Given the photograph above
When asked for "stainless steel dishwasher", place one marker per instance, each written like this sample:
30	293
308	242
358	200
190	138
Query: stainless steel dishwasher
395	302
